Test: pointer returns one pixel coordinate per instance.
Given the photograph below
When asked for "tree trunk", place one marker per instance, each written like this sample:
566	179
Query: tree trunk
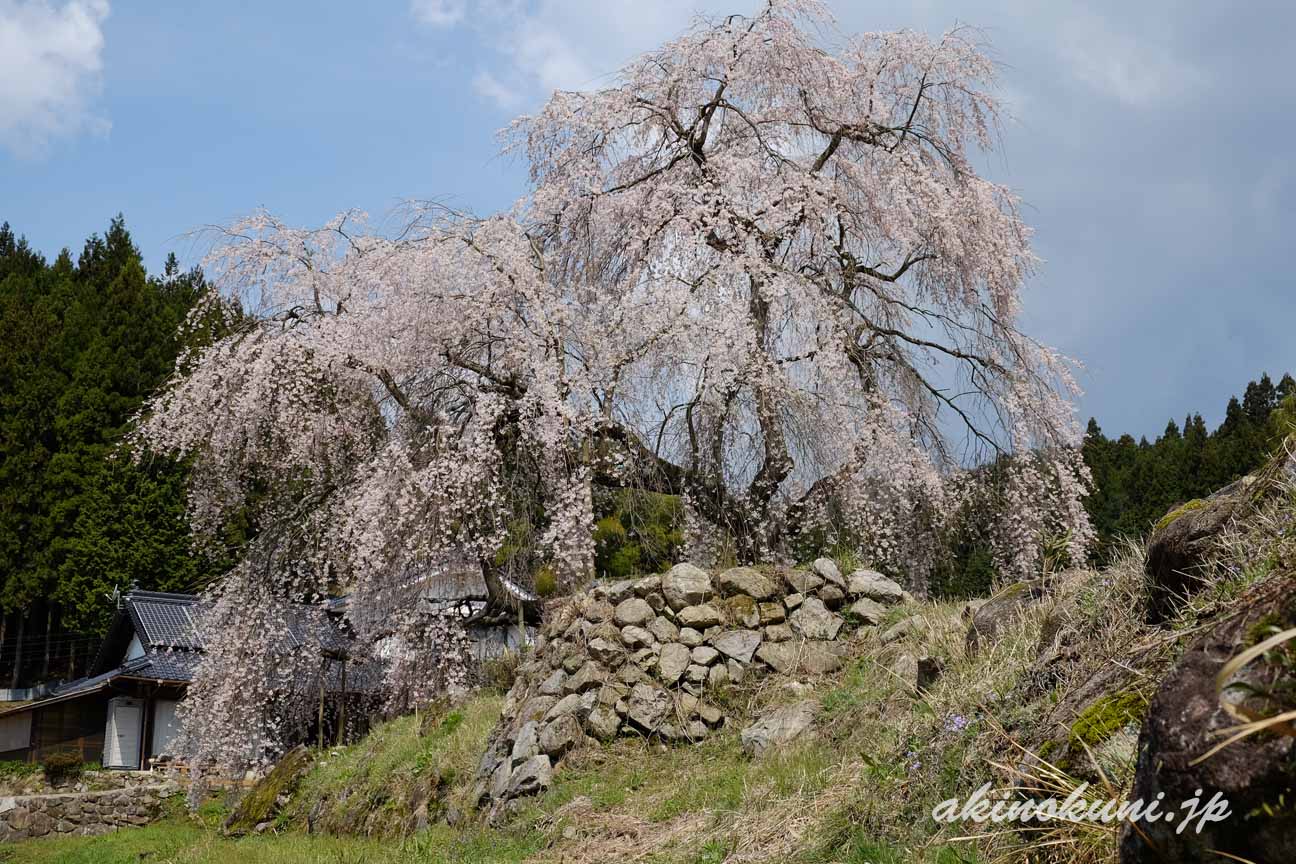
18	650
49	630
501	604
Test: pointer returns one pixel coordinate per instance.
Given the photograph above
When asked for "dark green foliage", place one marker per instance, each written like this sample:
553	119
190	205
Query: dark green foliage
1136	483
82	347
968	572
637	532
11	769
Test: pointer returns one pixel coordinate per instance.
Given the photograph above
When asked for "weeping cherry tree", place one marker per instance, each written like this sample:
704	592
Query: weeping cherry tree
759	272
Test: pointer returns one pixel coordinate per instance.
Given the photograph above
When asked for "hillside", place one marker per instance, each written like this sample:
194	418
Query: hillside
1055	689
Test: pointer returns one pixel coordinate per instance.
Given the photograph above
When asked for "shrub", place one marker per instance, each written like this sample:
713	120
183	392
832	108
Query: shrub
498	673
63	768
546	581
638	532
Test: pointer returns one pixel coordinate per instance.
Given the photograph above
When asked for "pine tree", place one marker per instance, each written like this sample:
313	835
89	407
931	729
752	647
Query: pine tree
1259	400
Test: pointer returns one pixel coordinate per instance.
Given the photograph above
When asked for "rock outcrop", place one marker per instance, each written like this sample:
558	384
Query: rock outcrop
271	792
1007	605
1185	539
646	657
1003	608
1256	775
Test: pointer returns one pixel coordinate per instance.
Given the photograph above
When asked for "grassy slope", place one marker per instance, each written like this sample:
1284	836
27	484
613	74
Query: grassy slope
861	791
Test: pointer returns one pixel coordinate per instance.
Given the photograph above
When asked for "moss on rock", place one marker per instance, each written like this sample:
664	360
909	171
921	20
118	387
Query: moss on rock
1167	520
263	800
1107	716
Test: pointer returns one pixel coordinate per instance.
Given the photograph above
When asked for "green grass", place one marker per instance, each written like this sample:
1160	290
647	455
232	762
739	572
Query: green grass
180	841
372	787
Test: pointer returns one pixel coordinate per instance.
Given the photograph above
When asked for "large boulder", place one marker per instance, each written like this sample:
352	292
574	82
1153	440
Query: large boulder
1256	775
1185	539
647	707
560	736
867	611
685	585
672	662
700	617
635	638
527	742
738	644
811	658
1183	542
914	625
779	727
827	570
532	776
802	581
603	723
587	677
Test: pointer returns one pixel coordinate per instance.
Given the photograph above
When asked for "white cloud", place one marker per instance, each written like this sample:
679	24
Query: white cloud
532	49
1132	69
50	71
489	86
438	13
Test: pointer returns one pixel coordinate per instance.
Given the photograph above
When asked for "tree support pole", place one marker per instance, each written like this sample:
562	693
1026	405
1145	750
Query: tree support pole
323	681
341	735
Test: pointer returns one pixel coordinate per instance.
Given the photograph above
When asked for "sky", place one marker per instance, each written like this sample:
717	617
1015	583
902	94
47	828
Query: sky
1151	144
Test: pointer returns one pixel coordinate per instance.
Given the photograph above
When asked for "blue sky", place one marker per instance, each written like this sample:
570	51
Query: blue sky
1151	143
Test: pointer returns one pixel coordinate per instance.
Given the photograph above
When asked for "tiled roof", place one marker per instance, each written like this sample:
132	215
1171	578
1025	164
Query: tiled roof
163	620
163	666
167	621
450	581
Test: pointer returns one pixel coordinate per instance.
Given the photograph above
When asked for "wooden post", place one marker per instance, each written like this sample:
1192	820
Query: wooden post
323	681
144	729
342	707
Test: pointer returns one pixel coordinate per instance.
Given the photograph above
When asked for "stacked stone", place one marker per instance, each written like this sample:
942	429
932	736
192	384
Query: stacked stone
82	813
643	656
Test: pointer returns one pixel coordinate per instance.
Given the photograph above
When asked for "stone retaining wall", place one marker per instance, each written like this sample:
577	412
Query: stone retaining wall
644	657
82	813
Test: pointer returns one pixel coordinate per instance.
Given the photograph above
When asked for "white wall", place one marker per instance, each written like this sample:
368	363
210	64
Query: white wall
166	727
